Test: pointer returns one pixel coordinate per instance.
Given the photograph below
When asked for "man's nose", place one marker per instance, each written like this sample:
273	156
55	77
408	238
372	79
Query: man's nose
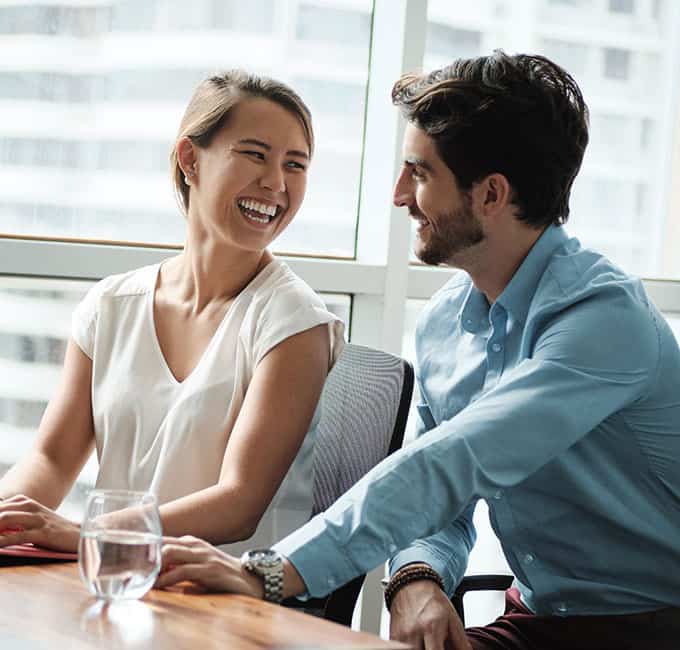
403	194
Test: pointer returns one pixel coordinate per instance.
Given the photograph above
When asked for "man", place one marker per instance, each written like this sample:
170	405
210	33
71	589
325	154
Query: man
550	387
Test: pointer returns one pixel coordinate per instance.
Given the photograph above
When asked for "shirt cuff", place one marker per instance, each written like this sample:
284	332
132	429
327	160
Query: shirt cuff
308	550
420	554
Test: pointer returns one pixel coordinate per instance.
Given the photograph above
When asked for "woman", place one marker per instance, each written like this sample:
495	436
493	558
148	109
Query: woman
198	378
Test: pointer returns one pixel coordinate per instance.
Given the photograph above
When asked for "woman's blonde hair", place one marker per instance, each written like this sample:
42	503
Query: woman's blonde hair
209	109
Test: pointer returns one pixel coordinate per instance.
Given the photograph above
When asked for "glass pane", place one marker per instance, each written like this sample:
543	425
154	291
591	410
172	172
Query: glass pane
92	98
626	199
674	322
486	556
35	324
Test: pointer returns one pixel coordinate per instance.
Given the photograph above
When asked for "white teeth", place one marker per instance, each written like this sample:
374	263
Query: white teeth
262	208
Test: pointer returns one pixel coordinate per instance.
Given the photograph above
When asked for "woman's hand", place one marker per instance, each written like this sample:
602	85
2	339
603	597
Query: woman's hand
195	560
23	519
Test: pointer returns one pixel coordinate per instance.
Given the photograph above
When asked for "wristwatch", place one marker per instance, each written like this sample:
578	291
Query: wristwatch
267	564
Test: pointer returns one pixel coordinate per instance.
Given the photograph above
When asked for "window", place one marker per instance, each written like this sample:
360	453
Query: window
99	113
624	200
674	322
616	64
334	25
571	56
622	6
452	43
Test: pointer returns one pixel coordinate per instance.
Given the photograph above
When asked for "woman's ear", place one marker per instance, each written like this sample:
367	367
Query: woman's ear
186	156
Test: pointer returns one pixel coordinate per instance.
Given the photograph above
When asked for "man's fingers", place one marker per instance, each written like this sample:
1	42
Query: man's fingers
457	637
433	641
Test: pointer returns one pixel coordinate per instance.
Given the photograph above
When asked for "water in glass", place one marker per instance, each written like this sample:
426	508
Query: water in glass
120	544
116	564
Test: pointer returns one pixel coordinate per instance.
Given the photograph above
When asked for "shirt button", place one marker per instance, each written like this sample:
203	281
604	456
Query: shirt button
528	558
561	607
468	321
331	582
498	495
496	347
393	548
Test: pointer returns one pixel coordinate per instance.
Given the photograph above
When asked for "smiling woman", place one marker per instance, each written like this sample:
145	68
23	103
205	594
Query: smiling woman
173	371
246	181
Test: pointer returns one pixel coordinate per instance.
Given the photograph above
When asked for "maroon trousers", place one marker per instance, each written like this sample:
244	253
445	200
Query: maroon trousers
519	629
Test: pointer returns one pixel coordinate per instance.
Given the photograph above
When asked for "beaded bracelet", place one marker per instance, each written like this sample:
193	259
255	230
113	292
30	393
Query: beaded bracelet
407	574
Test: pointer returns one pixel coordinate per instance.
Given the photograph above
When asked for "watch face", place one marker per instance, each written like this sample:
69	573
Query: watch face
262	557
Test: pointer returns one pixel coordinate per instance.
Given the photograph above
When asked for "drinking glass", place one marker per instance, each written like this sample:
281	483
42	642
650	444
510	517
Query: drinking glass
119	553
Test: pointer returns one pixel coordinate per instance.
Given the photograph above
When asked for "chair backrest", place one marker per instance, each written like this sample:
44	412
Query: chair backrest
364	407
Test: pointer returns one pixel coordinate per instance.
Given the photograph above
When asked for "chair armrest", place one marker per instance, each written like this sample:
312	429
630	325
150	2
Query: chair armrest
485	582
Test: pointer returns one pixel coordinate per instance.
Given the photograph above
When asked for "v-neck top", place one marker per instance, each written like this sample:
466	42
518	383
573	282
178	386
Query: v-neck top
155	433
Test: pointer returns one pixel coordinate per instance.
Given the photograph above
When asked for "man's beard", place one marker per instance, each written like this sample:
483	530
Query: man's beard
456	232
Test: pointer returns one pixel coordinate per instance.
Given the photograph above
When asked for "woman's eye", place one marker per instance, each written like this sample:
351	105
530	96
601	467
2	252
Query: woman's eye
417	174
254	154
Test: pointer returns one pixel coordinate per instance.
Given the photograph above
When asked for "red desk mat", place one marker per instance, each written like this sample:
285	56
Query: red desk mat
36	552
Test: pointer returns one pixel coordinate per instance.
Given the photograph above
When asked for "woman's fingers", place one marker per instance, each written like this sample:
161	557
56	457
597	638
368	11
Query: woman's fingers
21	502
18	527
175	574
38	525
188	550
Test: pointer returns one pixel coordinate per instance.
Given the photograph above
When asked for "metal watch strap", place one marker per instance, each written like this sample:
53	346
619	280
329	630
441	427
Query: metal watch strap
273	585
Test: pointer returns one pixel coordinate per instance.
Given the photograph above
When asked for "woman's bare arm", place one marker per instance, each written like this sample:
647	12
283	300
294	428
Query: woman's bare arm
275	416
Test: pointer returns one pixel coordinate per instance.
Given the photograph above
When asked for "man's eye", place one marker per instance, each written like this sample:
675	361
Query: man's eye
294	164
417	174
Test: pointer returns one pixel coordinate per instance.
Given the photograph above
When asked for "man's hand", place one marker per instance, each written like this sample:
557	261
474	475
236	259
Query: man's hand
422	616
195	560
23	519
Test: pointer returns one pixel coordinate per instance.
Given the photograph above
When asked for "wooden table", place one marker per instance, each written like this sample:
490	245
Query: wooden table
46	607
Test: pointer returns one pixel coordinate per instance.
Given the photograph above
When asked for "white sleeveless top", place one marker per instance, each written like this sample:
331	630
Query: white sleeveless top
155	433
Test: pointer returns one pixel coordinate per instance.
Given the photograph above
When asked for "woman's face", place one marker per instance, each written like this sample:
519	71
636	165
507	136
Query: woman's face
250	182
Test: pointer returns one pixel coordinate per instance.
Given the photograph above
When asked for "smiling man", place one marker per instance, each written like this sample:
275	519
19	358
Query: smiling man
549	386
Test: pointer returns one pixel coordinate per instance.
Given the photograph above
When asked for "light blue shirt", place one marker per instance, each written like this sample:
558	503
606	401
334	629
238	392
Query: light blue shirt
559	405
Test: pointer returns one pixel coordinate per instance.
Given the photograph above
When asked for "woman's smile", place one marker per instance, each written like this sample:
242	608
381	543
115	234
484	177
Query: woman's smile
258	212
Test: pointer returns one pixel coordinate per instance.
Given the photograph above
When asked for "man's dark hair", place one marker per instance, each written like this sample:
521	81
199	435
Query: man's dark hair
522	116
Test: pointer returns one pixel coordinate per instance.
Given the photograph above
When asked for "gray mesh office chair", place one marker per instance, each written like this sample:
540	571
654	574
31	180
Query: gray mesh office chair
364	407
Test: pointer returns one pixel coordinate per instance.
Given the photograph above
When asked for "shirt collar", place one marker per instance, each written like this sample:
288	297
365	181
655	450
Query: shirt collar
519	292
475	312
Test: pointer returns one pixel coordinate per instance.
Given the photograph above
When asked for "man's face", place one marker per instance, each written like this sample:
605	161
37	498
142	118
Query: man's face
447	225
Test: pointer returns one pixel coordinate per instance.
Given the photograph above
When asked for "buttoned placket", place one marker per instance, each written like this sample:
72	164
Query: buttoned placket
495	346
